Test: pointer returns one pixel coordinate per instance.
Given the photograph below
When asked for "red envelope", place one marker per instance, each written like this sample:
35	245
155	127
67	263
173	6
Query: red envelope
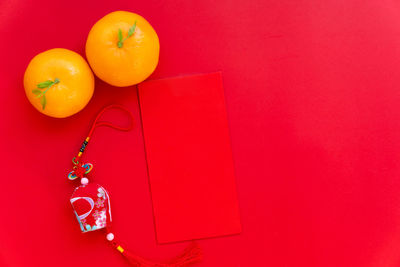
189	157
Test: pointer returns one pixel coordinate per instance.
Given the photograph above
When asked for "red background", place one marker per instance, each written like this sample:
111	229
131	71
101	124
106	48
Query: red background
312	92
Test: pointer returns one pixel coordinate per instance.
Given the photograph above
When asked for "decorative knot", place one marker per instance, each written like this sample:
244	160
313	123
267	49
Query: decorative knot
79	171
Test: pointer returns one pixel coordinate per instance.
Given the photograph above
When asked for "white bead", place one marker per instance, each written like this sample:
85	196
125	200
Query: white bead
84	181
110	236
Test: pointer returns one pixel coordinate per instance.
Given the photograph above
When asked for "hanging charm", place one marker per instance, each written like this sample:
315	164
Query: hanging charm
91	205
92	208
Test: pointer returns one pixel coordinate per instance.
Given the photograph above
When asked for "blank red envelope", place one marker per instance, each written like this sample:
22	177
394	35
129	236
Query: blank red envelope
189	157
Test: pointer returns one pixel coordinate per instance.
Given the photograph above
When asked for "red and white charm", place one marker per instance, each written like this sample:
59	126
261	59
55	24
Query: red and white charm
92	208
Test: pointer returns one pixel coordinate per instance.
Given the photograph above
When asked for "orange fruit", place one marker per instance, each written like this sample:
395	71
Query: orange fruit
122	48
58	82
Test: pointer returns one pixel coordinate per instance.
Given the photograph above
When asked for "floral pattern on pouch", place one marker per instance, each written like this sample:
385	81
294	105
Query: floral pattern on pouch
91	206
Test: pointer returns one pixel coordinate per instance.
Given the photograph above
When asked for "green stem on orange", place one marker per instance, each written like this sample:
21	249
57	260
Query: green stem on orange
42	94
121	40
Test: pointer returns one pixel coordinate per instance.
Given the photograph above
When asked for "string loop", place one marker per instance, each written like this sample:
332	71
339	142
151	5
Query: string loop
98	123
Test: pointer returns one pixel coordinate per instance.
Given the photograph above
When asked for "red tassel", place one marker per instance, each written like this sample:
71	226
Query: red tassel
190	255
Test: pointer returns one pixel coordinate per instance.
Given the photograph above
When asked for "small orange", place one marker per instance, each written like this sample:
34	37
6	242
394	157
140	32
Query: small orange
58	82
122	48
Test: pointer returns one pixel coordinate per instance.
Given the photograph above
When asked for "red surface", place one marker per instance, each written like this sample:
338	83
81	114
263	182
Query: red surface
189	157
312	96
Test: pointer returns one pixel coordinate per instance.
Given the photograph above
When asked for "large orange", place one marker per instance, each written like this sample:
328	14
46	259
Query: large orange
58	82
122	48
